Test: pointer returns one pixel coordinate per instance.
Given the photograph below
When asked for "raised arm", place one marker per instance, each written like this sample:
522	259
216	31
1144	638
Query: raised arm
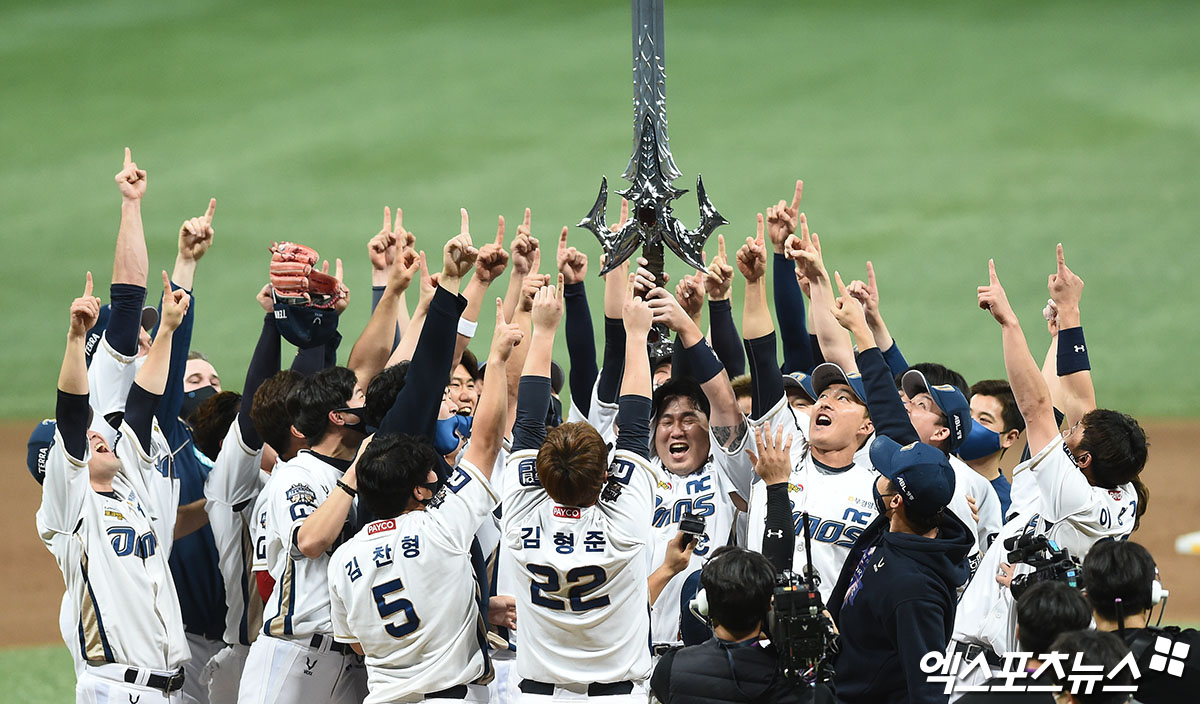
526	258
577	323
131	265
151	379
489	266
1073	368
867	293
491	417
718	284
533	398
834	341
1030	390
372	349
766	386
773	464
782	221
382	250
633	416
72	377
609	382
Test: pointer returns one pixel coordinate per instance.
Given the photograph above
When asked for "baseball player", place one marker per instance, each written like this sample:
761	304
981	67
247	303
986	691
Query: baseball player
577	534
704	464
402	591
103	511
832	478
1086	478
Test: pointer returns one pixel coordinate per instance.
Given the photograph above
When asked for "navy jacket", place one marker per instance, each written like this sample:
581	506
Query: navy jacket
893	603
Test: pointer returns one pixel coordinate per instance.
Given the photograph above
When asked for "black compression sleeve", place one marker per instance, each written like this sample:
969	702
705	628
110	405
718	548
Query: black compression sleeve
71	414
264	363
633	418
533	403
581	346
139	414
726	341
779	536
766	382
614	360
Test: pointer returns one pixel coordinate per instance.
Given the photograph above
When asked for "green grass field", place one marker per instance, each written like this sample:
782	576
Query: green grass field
931	136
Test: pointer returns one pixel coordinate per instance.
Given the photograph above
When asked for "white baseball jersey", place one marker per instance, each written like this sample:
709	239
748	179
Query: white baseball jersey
840	503
582	606
1071	512
704	493
971	483
232	487
299	602
603	416
119	588
404	589
110	376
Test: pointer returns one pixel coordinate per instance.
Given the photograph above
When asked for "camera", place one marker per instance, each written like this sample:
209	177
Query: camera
800	630
1050	563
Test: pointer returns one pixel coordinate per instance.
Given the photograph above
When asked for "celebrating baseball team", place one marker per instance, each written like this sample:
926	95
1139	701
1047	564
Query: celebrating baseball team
791	513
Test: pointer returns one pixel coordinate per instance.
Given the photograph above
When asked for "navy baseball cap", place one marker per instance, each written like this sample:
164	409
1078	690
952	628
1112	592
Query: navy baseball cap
828	374
304	326
91	343
802	381
40	441
921	472
948	398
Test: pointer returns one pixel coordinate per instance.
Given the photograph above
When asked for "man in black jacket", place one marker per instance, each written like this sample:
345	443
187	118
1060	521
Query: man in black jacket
731	666
895	599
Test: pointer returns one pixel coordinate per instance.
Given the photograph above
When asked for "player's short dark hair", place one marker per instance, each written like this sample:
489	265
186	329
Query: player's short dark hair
738	584
196	354
1122	570
211	421
390	468
678	387
572	464
269	412
1117	444
1047	610
313	398
469	362
1094	648
741	386
937	374
383	390
1001	390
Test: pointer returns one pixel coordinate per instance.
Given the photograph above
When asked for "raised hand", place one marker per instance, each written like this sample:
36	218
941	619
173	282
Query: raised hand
505	337
429	283
782	219
382	248
572	263
530	285
636	312
773	462
525	254
174	306
624	217
196	234
644	281
85	311
403	269
1066	288
265	299
993	299
866	293
548	306
492	260
690	294
805	250
752	257
131	181
718	280
458	255
667	310
849	313
679	552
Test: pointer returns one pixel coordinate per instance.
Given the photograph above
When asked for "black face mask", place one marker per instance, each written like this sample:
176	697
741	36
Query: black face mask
193	399
880	506
434	488
360	425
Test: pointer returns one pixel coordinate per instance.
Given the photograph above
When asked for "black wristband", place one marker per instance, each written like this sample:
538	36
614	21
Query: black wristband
702	362
1072	352
346	488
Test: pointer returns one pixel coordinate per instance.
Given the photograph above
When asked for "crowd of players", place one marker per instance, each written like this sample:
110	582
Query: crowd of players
418	525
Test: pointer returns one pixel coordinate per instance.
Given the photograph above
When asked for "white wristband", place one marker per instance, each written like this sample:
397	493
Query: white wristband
466	328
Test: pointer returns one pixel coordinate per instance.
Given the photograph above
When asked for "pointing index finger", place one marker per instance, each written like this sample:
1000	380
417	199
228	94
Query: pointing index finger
500	231
799	194
758	237
1062	262
562	240
87	288
387	219
992	272
466	222
837	275
212	209
721	247
128	157
870	275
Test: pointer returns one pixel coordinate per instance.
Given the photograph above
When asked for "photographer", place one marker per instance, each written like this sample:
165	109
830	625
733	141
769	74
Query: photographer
894	600
731	666
1122	588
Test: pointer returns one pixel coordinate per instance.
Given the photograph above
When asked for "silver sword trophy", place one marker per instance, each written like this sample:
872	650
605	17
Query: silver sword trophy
651	170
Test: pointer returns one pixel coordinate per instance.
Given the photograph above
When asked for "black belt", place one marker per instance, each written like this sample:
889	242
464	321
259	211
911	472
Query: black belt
334	646
459	692
595	689
659	649
971	651
164	683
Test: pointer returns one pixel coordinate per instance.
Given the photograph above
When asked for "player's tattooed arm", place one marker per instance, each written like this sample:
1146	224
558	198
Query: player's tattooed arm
730	437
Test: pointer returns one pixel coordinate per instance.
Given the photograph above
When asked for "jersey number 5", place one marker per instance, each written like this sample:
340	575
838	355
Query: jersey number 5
540	592
388	609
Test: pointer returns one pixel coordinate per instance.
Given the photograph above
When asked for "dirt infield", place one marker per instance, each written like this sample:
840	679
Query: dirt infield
32	587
